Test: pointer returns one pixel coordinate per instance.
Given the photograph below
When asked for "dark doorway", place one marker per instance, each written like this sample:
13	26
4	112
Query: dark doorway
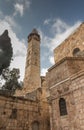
35	125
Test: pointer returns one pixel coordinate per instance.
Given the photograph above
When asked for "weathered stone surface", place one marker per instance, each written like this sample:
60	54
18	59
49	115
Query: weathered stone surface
74	41
32	79
71	89
65	80
19	113
34	87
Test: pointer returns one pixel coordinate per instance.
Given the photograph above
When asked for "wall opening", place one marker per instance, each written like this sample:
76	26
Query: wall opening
76	51
13	114
35	125
62	107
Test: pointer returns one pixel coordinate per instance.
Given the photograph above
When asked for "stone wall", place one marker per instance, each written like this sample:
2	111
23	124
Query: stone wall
70	88
20	114
64	69
75	40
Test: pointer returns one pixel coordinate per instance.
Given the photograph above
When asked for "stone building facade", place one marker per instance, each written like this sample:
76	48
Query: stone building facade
22	114
73	44
53	102
65	81
28	109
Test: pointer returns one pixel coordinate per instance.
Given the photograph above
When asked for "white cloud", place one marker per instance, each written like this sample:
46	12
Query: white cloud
18	9
47	21
20	6
19	48
59	26
61	35
11	21
43	71
60	31
45	40
51	59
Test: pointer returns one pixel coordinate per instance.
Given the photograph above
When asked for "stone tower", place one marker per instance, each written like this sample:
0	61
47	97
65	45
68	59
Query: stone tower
32	71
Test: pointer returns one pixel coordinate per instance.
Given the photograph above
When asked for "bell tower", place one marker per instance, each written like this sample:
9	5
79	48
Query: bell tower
32	71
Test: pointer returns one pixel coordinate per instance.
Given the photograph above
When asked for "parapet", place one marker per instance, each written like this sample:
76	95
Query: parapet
34	34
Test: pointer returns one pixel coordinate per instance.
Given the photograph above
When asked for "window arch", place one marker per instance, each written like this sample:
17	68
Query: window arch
35	125
75	51
62	107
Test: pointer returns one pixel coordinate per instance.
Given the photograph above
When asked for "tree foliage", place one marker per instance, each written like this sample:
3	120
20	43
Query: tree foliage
6	51
11	77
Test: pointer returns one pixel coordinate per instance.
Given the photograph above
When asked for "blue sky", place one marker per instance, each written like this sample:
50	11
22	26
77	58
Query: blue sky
54	19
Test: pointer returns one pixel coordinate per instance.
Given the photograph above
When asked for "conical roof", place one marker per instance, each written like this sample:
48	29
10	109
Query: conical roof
35	31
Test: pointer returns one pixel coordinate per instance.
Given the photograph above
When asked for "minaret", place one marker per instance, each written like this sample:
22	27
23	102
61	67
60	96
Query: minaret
32	71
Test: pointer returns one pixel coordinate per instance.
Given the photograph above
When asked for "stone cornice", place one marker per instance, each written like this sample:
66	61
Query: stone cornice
65	59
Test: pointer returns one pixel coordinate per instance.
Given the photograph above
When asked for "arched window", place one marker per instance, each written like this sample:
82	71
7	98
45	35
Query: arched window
35	125
62	107
75	51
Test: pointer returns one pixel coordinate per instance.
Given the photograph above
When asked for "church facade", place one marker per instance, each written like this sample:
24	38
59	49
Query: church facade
53	102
